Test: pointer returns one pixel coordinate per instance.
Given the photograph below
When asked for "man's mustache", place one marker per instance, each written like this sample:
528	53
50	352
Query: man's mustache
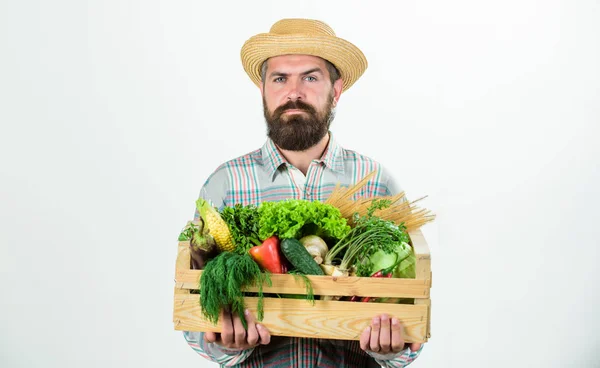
294	105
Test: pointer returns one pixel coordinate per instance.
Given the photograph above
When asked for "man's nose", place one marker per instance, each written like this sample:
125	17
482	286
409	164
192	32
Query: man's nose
295	90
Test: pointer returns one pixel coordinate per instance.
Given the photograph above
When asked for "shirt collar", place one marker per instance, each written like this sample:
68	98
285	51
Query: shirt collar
333	158
271	157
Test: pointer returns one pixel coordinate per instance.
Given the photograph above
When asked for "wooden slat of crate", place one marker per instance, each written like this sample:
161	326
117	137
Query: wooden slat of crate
327	285
326	319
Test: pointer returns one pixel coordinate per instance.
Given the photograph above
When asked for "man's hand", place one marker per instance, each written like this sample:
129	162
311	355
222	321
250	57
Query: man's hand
384	336
235	337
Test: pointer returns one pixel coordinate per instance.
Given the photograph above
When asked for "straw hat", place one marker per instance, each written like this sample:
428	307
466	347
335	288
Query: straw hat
306	37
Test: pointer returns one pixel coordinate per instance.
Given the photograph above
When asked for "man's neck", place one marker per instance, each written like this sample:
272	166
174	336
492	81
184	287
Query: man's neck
302	159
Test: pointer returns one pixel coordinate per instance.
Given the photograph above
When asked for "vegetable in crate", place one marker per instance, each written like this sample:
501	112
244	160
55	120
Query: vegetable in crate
299	257
222	284
382	260
369	235
243	225
316	247
202	247
202	244
216	226
289	218
268	255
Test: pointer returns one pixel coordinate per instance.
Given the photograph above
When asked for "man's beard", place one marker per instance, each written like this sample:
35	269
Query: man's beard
299	131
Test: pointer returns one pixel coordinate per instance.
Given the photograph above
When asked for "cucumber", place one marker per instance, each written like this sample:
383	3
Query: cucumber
299	257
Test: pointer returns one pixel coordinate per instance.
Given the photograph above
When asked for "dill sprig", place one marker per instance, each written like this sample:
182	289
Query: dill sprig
310	295
263	278
222	283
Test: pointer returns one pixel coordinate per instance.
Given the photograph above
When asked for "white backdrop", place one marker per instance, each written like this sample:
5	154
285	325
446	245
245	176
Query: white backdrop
113	113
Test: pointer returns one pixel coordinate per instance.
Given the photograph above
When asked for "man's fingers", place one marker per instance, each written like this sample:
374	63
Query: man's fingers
374	342
238	331
365	339
211	337
252	338
397	339
384	334
227	333
265	335
415	346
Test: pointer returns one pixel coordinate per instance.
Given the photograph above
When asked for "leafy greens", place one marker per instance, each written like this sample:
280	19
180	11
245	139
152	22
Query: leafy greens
288	218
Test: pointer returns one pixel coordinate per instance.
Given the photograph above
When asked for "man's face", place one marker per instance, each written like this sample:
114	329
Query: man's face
298	99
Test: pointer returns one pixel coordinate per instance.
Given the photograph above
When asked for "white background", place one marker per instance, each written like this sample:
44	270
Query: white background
113	113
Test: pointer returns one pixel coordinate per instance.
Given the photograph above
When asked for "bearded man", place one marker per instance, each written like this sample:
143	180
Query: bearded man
301	69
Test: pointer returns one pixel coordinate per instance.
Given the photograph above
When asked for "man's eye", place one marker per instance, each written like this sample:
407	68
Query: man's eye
278	79
310	78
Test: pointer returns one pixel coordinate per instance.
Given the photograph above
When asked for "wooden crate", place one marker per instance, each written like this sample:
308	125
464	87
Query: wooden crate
341	320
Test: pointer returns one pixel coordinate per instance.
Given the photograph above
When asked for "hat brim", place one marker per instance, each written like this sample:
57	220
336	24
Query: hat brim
347	58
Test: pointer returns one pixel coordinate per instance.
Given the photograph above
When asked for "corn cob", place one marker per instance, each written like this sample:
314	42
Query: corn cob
217	227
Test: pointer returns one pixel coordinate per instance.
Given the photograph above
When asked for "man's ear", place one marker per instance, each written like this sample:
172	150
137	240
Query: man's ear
338	85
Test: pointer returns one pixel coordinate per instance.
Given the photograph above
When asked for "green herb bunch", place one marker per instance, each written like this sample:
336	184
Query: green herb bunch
243	226
222	284
369	235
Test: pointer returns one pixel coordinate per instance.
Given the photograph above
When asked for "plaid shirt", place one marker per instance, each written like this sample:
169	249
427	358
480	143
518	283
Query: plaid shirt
264	175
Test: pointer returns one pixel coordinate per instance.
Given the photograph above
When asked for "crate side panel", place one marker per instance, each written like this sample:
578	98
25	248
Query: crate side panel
326	319
182	264
426	302
422	254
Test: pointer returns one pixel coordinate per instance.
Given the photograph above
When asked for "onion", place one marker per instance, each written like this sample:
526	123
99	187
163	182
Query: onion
316	247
